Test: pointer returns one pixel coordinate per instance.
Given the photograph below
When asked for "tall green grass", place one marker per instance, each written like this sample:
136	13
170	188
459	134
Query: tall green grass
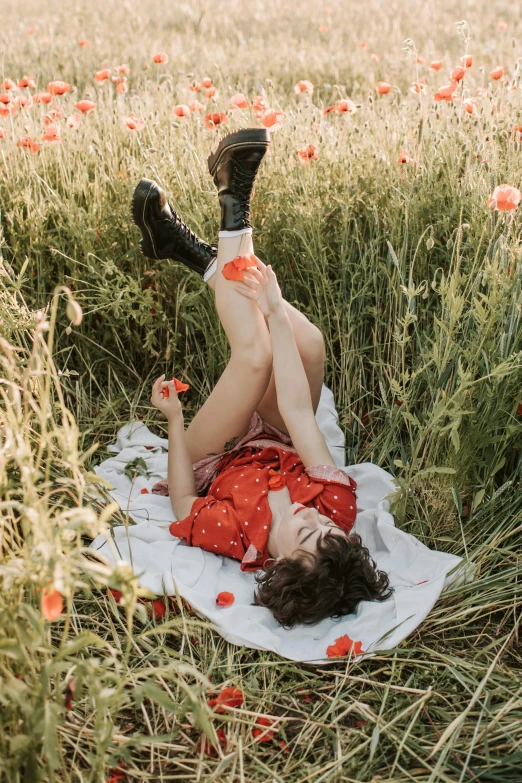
416	286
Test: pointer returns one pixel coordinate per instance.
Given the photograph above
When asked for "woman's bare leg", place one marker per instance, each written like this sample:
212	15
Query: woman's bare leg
226	414
310	345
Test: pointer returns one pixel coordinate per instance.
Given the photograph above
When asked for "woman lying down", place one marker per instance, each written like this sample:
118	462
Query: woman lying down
251	477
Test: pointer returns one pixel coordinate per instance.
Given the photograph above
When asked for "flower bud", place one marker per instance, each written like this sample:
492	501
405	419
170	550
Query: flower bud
74	312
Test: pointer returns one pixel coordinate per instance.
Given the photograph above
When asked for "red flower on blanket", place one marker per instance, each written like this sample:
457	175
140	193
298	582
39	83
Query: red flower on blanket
262	735
229	697
144	491
180	387
225	599
276	480
344	645
234	269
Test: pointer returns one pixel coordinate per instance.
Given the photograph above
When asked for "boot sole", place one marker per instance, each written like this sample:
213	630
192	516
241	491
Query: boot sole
242	138
143	191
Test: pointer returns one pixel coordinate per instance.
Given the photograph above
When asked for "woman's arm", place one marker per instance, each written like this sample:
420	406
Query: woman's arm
182	485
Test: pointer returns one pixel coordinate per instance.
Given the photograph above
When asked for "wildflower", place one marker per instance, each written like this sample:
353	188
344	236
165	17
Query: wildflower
181	110
404	157
134	123
26	81
446	93
42	97
52	134
206	747
157	609
144	491
470	106
195	87
323	28
225	599
121	83
5	98
73	121
178	385
196	106
505	198
3	133
234	269
467	60
214	119
52	604
51	116
458	73
304	86
436	65
123	68
259	105
7	109
346	105
273	119
308	153
229	697
383	88
83	42
262	735
365	46
375	57
161	58
418	87
502	26
344	645
86	107
420	60
23	101
29	143
497	73
206	82
102	76
8	84
238	101
211	92
58	88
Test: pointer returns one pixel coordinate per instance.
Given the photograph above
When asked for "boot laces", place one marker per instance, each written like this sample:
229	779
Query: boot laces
177	226
242	184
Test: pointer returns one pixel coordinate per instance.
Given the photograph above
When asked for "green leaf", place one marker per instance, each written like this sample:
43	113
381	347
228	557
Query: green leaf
436	469
455	439
11	649
136	467
49	736
479	497
19	743
84	639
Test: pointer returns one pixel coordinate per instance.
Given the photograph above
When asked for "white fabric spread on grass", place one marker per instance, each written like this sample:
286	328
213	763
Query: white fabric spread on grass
159	559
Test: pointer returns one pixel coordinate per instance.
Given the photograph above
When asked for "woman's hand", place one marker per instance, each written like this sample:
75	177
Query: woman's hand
169	403
260	285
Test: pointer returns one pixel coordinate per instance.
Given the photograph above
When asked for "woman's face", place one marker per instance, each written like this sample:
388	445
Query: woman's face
300	528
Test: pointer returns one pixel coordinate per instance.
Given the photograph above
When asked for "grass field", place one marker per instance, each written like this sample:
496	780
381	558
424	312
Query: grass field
416	284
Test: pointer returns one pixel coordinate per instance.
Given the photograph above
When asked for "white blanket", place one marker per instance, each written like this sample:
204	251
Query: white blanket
417	573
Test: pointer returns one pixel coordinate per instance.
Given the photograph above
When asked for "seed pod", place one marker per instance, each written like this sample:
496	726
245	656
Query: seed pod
74	312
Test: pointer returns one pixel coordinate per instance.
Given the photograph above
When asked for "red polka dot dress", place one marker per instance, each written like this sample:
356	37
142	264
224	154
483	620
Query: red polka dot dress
234	517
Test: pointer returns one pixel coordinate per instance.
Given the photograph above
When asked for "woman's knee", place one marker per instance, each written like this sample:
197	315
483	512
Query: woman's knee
312	349
256	356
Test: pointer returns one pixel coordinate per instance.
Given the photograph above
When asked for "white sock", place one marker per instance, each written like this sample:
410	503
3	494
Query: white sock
225	234
210	271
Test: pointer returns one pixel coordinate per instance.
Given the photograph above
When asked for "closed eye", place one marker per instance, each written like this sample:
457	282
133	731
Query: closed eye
330	524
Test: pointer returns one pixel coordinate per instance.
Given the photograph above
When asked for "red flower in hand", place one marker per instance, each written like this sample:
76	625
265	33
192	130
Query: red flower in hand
229	697
225	599
180	387
344	645
234	269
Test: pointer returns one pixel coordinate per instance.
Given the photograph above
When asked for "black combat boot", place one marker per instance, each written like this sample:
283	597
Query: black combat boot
164	234
234	166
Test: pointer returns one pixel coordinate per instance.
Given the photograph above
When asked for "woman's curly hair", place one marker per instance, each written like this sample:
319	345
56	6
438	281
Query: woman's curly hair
330	583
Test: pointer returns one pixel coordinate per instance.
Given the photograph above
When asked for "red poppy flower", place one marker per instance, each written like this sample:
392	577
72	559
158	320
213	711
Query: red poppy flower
436	65
196	106
262	735
239	101
383	88
467	60
417	87
3	133
208	748
52	134
58	88
161	58
181	110
86	107
7	109
52	604
157	609
26	81
5	98
229	697
134	123
178	385
122	85
83	43
497	73
123	68
52	115
144	491
115	594
344	645
211	92
308	153
27	141
206	82
404	157
8	84
505	198
23	101
117	774
102	76
214	119
234	269
502	26
260	106
195	87
446	93
346	105
304	86
365	46
458	73
470	106
42	97
273	119
74	121
225	599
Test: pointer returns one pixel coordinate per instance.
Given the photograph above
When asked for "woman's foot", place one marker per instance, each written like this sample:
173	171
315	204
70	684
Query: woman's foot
164	234
234	166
